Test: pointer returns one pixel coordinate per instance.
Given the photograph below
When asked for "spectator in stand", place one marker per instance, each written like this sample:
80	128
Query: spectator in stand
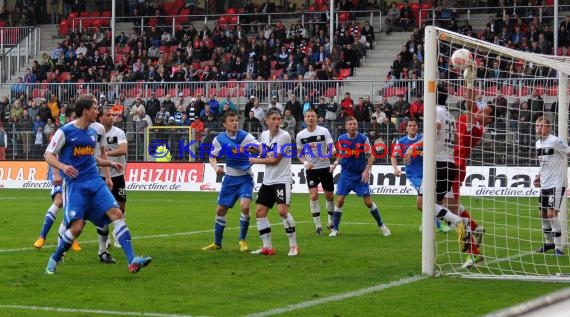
118	109
54	106
407	57
163	114
193	110
29	77
289	123
417	110
536	104
401	108
44	112
49	129
347	105
137	106
152	106
33	109
362	115
257	110
393	17
368	33
252	124
17	89
276	104
406	17
295	106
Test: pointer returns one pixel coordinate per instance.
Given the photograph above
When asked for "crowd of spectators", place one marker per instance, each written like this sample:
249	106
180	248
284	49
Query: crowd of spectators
516	25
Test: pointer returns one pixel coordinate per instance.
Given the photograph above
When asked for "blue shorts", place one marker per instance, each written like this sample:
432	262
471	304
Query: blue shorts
55	190
346	184
88	201
416	182
234	187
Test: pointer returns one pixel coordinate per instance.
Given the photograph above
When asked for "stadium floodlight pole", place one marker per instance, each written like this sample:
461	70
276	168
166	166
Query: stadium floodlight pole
331	25
430	103
563	134
112	24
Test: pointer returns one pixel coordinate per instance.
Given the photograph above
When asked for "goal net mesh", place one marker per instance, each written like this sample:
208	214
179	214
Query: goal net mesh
498	190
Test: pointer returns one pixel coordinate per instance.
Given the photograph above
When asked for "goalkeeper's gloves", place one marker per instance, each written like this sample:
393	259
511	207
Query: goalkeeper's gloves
469	75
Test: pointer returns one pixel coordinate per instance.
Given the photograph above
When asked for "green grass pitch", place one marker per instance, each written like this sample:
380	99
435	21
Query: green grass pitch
358	273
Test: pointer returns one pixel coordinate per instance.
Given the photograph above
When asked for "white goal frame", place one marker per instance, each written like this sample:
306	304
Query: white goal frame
432	35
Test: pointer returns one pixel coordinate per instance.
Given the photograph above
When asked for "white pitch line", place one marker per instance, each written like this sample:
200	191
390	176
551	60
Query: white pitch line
338	297
169	235
89	311
154	236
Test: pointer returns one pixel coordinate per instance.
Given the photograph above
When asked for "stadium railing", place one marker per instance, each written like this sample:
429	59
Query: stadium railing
175	22
17	45
545	14
17	138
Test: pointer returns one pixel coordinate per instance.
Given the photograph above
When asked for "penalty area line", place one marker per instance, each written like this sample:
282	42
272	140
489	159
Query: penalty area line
338	297
87	311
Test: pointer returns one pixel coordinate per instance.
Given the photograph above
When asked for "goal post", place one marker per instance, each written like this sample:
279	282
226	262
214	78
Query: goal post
497	191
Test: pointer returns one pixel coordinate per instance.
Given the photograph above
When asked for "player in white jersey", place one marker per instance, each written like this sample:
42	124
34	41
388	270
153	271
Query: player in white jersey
315	146
552	153
116	152
446	170
276	152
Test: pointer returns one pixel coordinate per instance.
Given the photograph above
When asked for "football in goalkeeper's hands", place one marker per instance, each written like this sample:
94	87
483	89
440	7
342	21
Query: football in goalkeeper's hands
461	58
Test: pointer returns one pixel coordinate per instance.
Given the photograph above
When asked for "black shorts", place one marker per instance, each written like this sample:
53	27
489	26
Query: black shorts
119	190
270	195
551	198
444	177
320	176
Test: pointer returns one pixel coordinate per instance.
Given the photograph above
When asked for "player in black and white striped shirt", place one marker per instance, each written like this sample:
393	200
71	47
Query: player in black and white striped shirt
552	154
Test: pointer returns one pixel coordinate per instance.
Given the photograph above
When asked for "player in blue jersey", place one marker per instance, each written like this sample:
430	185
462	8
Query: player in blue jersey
86	196
57	200
414	169
356	160
238	178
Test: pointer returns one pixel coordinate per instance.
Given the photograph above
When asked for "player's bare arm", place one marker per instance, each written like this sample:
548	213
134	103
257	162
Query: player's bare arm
214	164
121	150
68	170
269	160
366	172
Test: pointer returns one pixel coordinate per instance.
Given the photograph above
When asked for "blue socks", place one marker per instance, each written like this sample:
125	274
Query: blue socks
376	214
49	220
123	235
243	226
63	246
219	227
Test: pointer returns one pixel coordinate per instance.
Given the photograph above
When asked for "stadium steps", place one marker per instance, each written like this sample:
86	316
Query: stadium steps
376	65
49	36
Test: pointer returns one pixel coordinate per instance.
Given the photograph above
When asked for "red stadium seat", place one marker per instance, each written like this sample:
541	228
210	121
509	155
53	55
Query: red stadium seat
63	28
344	73
389	92
507	90
330	92
343	17
231	11
552	91
159	92
199	91
491	91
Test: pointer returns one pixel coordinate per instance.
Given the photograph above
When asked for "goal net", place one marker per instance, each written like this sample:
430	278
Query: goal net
497	192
